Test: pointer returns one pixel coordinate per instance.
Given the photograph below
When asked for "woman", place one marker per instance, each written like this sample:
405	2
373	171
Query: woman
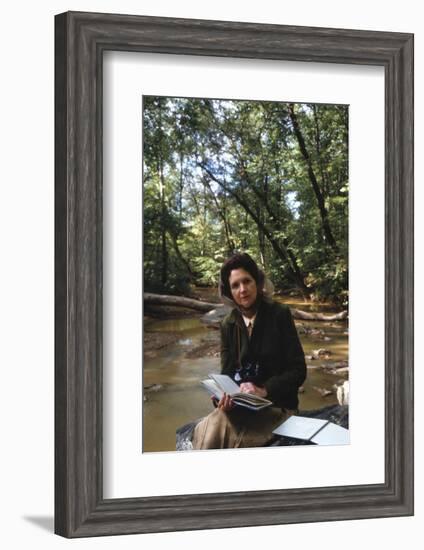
261	351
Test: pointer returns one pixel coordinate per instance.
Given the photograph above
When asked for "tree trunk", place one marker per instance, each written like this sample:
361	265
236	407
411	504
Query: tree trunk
279	249
324	177
319	196
222	214
164	253
185	262
277	226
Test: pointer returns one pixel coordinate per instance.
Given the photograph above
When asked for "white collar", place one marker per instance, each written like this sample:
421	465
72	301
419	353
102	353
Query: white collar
251	320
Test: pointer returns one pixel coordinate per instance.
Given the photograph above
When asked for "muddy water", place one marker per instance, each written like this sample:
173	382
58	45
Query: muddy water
174	396
179	398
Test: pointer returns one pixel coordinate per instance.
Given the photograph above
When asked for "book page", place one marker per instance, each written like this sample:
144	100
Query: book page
300	427
226	383
332	434
212	388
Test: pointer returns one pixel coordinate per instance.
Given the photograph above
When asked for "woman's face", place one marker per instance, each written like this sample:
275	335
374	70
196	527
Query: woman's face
243	288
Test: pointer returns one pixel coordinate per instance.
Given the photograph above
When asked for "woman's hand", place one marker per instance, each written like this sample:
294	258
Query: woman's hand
225	403
248	387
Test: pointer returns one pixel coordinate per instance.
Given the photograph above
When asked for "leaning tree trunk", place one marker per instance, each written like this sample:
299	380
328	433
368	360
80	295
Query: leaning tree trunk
278	246
312	178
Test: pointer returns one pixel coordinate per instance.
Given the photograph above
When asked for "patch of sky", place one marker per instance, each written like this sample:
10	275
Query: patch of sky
223	107
293	203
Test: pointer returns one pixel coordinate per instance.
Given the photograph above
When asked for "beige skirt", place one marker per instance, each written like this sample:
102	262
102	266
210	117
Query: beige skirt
239	427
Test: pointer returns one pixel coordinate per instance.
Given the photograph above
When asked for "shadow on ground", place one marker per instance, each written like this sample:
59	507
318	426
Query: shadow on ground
44	522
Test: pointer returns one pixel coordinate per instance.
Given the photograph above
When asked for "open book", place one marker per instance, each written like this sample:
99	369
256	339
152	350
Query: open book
218	384
314	430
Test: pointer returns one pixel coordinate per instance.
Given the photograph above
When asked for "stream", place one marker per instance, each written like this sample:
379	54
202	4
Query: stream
172	373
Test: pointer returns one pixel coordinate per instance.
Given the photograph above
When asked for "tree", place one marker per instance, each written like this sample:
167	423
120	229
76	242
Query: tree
266	177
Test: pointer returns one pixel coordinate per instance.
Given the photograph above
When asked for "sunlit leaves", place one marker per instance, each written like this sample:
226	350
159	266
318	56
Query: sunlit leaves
221	175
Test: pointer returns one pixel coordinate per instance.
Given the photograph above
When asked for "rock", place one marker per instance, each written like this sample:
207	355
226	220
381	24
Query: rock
340	367
342	392
329	370
322	391
301	329
153	388
215	316
184	436
319	353
338	414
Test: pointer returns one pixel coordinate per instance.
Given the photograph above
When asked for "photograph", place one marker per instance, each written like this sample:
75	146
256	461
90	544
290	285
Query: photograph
245	273
210	255
233	274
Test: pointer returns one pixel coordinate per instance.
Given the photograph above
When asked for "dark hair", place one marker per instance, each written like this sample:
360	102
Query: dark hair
240	261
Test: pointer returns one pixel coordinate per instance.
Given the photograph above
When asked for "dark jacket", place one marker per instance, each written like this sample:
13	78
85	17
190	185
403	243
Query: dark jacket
274	347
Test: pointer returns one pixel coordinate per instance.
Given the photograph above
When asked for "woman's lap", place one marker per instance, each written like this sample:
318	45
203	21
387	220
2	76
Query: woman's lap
237	428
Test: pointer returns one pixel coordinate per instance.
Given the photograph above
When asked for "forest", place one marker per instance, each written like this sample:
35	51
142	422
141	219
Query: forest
267	178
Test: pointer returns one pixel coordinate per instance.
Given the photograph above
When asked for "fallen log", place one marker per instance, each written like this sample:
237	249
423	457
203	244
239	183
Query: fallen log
181	301
215	316
221	310
307	316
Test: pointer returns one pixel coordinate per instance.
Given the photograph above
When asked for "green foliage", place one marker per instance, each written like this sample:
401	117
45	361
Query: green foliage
266	177
331	283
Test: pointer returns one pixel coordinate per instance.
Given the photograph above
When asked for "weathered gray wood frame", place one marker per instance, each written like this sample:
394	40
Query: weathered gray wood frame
81	39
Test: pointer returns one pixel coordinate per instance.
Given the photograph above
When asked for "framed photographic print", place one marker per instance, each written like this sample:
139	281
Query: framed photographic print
225	175
170	134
